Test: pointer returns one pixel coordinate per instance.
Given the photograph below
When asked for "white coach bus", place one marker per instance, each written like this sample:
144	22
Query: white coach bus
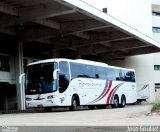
72	83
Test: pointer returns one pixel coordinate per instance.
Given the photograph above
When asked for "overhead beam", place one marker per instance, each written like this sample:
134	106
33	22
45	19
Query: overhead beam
103	38
85	50
4	8
48	23
12	20
127	44
44	40
7	21
82	35
42	11
58	26
111	55
89	29
121	39
37	34
93	49
67	41
98	48
120	54
100	38
80	26
143	50
8	31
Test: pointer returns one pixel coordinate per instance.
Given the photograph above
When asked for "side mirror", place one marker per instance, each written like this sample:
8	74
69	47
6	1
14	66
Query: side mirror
55	73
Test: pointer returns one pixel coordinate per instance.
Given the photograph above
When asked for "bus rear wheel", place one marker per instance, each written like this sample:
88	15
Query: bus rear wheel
123	101
115	102
74	104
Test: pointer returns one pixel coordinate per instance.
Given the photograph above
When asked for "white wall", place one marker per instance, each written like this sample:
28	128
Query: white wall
9	76
156	23
143	64
156	36
156	2
135	13
156	60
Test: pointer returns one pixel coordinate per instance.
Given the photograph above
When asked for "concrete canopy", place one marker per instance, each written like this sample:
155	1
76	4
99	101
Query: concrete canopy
71	28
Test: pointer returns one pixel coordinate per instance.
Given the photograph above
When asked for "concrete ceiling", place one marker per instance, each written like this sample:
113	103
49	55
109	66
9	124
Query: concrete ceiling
71	28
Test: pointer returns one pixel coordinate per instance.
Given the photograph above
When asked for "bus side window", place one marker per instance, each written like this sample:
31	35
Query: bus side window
130	76
63	76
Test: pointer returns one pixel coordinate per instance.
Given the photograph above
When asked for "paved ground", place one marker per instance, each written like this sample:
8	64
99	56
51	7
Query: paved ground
130	116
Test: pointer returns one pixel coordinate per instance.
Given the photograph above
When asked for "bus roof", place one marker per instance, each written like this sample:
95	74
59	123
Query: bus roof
81	61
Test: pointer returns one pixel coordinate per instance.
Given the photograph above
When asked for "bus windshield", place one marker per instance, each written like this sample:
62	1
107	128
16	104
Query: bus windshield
39	78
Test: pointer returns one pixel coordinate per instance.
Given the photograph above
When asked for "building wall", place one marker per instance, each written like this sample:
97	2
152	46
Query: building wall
156	36
156	61
143	65
7	76
10	77
156	2
156	21
156	26
157	75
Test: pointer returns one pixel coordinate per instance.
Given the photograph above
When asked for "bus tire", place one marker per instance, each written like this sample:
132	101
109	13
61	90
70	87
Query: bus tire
123	101
101	106
91	107
115	102
74	104
47	109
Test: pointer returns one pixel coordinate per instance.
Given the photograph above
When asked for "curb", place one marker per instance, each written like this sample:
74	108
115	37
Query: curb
20	111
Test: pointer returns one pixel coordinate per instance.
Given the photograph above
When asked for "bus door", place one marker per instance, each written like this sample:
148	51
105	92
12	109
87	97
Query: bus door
64	79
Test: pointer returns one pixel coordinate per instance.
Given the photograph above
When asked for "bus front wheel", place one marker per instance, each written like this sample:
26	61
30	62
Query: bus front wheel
91	107
47	109
74	104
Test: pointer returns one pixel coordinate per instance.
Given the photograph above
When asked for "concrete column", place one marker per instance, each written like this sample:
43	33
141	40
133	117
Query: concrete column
19	71
6	102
